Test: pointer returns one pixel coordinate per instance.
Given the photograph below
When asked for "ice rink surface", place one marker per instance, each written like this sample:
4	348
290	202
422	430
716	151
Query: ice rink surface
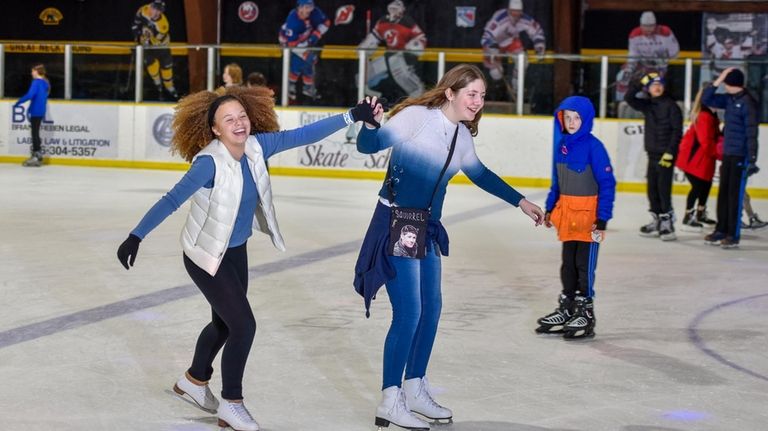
86	345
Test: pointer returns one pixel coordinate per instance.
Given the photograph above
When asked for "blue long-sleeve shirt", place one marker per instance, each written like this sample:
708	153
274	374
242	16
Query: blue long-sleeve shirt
420	139
202	171
38	96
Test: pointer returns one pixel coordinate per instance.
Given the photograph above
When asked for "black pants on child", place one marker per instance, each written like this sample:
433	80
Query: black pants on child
659	185
232	323
35	126
578	269
699	191
733	180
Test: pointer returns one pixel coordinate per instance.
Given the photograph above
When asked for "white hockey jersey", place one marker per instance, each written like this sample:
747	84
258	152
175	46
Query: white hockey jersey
503	30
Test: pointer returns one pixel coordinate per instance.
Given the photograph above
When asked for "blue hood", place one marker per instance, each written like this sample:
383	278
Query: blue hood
584	107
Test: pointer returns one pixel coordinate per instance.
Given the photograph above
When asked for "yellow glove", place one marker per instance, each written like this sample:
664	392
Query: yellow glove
666	160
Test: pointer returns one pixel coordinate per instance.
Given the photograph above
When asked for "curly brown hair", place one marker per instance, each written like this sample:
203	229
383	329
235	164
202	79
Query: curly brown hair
455	79
191	132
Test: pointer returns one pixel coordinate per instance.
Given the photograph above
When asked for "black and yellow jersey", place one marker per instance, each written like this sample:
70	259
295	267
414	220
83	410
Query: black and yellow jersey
149	31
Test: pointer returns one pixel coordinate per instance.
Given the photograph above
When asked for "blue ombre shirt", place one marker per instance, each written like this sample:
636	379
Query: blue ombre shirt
201	174
420	139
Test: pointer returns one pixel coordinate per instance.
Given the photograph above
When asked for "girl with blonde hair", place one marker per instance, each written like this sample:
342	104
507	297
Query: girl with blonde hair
421	132
696	157
227	138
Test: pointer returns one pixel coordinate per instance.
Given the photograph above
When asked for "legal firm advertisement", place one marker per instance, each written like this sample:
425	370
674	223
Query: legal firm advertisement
68	130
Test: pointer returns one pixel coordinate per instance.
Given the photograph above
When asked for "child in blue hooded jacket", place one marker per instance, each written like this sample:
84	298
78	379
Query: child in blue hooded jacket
38	97
579	205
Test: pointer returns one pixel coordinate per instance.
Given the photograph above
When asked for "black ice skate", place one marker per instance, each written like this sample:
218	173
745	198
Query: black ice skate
651	229
582	324
553	322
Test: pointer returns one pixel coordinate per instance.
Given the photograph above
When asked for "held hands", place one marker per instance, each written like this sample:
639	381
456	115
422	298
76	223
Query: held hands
666	160
532	210
368	110
548	219
127	251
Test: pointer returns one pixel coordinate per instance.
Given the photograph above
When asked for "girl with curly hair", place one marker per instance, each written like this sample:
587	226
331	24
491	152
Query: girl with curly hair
231	195
421	132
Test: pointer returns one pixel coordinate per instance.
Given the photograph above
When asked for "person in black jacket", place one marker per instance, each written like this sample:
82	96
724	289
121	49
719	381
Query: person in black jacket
663	130
739	153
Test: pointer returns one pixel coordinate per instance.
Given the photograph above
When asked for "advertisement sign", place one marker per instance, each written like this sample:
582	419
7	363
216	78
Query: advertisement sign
159	134
68	130
337	151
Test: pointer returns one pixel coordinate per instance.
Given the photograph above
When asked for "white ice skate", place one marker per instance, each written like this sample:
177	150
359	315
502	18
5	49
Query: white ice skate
419	400
236	416
200	394
394	410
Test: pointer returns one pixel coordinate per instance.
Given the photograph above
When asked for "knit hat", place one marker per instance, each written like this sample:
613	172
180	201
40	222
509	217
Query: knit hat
734	78
651	78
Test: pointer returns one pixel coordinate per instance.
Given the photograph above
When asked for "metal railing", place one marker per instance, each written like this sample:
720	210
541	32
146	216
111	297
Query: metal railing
518	64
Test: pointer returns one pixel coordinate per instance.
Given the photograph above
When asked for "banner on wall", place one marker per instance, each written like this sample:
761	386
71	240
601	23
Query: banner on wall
631	161
89	131
159	134
337	151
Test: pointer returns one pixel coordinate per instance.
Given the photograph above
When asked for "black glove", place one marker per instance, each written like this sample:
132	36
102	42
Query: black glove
752	169
364	112
127	251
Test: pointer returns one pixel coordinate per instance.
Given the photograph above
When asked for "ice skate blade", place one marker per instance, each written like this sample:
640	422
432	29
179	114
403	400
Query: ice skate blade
384	423
650	235
571	335
548	330
436	421
191	400
224	425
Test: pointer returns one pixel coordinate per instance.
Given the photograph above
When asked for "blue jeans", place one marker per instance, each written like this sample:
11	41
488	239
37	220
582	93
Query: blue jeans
416	303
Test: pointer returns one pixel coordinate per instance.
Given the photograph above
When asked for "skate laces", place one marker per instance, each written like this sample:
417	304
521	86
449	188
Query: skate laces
241	412
425	394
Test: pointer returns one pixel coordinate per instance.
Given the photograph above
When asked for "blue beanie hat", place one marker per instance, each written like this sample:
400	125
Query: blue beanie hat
305	3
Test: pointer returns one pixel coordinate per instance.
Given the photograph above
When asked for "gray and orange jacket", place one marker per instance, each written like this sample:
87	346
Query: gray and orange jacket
583	186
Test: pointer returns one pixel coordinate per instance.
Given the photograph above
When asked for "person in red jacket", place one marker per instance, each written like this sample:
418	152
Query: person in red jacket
696	157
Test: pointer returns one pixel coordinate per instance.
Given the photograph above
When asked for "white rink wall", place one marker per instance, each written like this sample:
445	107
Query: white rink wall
137	135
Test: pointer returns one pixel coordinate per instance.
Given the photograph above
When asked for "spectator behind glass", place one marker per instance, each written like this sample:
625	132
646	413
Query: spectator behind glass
650	46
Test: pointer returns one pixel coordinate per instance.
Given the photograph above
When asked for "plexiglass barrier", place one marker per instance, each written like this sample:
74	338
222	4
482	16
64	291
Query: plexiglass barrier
521	84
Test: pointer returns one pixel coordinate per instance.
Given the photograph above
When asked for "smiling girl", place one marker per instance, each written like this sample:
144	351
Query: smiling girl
420	131
231	195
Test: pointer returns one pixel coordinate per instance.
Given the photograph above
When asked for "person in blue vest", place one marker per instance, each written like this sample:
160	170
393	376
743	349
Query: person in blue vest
229	186
38	103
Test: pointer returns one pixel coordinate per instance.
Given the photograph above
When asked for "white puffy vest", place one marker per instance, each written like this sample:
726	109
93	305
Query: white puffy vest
213	211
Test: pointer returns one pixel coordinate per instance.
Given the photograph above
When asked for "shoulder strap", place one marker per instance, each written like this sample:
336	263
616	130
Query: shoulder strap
388	178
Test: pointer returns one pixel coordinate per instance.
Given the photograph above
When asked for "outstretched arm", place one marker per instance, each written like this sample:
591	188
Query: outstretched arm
275	142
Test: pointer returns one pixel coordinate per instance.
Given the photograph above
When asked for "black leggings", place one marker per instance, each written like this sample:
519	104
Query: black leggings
232	324
35	126
699	192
